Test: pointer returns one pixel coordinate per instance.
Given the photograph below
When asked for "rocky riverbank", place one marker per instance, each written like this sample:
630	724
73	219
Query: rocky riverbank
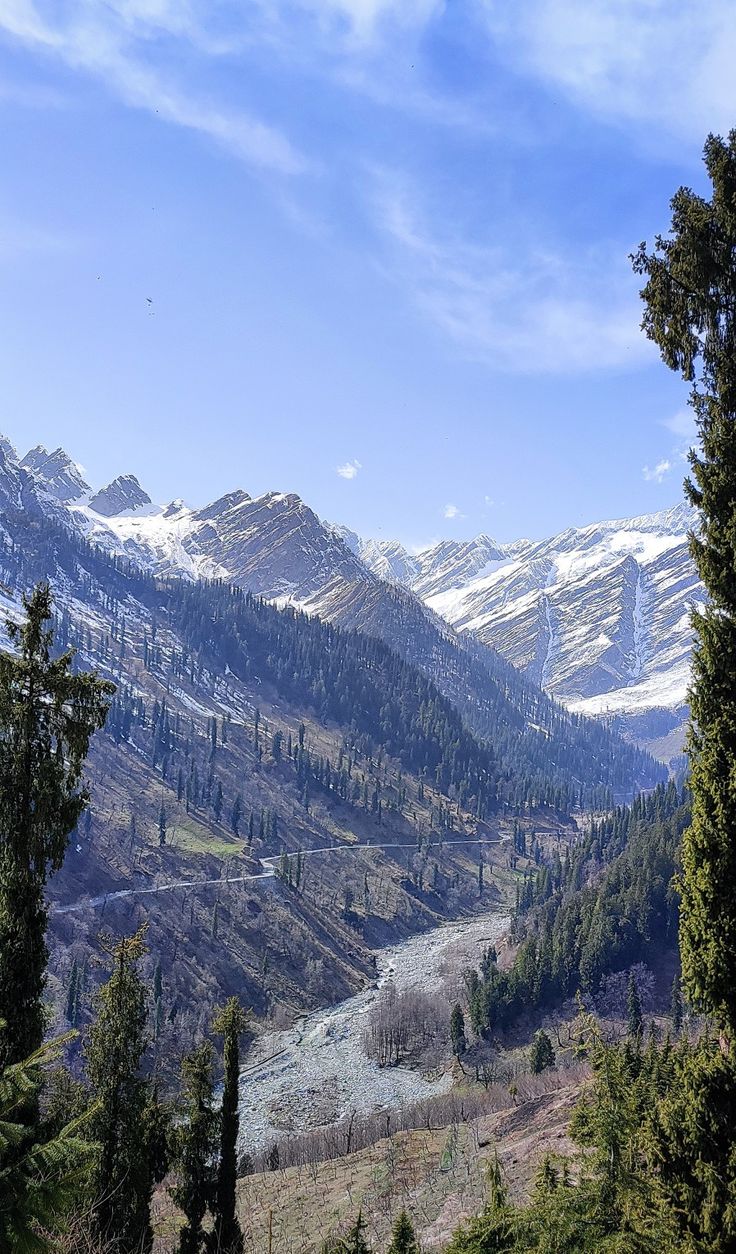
318	1071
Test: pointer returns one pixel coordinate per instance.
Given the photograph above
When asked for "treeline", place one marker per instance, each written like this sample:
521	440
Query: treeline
532	753
80	1157
606	903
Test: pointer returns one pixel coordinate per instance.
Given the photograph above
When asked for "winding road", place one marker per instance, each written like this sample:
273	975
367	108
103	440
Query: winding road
269	865
317	1072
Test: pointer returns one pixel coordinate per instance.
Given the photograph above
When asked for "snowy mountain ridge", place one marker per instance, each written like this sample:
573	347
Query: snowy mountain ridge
598	616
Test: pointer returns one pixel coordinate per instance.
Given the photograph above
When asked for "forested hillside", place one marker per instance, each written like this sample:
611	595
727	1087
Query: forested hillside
238	731
542	753
605	904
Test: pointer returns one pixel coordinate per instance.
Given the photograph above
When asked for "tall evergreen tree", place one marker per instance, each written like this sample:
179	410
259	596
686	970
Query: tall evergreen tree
493	1230
196	1148
230	1022
541	1053
72	996
235	815
690	299
403	1237
355	1242
634	1019
457	1031
47	716
41	1180
124	1173
690	313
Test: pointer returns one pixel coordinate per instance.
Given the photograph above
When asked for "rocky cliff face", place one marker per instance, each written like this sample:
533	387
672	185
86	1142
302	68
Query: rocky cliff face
124	493
60	476
599	616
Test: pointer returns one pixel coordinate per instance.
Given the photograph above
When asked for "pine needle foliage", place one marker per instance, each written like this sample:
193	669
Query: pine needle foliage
403	1237
690	313
47	717
195	1149
230	1022
41	1177
127	1119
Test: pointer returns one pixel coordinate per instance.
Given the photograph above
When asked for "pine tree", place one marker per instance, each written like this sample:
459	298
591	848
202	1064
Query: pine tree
541	1053
72	996
493	1230
162	824
354	1241
676	1010
195	1148
47	716
403	1238
123	1178
230	1022
40	1183
690	313
457	1031
635	1021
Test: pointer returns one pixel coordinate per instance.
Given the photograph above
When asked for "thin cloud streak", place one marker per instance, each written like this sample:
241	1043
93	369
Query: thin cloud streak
534	313
656	474
100	46
644	60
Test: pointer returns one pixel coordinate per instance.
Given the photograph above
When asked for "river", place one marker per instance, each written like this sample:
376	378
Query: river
318	1070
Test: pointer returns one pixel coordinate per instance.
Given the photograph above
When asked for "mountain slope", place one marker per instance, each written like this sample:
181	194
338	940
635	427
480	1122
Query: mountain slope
240	732
276	547
598	616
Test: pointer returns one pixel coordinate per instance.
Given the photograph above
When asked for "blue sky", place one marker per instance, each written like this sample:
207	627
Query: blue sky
372	251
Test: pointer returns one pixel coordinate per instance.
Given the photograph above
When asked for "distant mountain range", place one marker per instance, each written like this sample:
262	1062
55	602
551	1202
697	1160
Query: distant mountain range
241	729
598	616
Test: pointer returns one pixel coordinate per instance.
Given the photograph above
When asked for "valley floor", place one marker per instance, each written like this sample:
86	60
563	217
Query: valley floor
438	1174
318	1072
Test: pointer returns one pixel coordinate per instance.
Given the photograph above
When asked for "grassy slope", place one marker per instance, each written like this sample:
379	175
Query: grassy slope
271	946
438	1175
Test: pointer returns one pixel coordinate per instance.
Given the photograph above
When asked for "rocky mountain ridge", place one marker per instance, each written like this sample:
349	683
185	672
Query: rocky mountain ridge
574	614
599	616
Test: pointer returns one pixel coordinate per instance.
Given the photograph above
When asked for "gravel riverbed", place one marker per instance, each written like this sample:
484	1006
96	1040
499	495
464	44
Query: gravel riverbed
318	1071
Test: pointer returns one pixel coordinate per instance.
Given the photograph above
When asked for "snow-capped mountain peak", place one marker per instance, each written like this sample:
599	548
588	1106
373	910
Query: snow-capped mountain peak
596	615
8	450
59	475
454	562
124	493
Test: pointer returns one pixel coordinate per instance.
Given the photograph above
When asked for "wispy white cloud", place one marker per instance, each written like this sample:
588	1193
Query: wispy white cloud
521	308
110	40
682	424
451	511
628	60
349	470
658	473
362	20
